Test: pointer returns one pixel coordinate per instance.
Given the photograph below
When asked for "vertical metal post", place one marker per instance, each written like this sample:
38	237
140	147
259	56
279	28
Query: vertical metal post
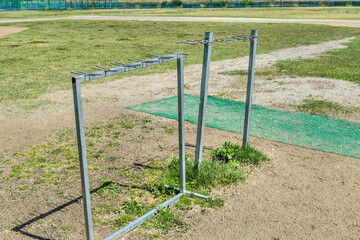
181	123
82	159
250	86
203	98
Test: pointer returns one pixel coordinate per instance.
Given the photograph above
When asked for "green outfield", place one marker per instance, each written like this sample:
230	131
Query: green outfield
40	59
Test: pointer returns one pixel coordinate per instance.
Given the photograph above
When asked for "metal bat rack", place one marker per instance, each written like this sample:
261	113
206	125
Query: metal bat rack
104	72
208	42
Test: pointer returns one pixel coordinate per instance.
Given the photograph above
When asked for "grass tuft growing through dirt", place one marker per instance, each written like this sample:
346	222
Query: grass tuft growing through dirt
232	152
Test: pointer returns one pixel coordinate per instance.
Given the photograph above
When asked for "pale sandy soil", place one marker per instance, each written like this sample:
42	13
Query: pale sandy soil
9	30
300	194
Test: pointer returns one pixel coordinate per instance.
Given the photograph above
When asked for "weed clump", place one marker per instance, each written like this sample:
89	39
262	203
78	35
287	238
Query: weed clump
210	175
233	152
224	168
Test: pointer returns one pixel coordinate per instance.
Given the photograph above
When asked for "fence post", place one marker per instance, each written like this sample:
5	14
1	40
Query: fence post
250	86
82	159
203	98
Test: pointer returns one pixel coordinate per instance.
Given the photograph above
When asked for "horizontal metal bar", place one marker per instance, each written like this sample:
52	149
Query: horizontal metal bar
188	192
132	65
143	218
124	68
177	53
196	194
151	60
243	38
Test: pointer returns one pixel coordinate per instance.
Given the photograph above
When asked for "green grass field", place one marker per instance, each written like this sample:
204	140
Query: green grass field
40	59
345	13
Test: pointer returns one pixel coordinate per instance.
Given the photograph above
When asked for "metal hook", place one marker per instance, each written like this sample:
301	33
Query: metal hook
79	73
125	65
100	68
138	60
195	42
152	56
223	40
177	53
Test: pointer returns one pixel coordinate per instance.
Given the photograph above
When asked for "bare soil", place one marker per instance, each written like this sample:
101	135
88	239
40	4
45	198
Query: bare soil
300	194
9	30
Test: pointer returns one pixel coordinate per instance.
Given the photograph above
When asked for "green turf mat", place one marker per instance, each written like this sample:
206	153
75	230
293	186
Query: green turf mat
300	129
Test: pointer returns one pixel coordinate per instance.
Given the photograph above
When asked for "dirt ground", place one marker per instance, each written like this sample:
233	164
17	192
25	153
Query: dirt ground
9	30
300	194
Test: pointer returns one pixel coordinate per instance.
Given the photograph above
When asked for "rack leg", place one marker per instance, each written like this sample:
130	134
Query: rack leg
83	161
181	122
250	86
203	99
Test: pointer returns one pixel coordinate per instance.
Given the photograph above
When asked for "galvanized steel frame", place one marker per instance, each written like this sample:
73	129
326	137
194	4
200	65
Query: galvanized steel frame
104	72
208	42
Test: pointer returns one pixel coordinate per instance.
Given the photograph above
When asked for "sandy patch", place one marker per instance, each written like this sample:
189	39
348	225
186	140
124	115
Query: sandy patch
9	30
292	91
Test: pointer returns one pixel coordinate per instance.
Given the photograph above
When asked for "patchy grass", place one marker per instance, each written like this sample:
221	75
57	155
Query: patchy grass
168	130
245	73
166	219
27	72
325	108
29	105
336	64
